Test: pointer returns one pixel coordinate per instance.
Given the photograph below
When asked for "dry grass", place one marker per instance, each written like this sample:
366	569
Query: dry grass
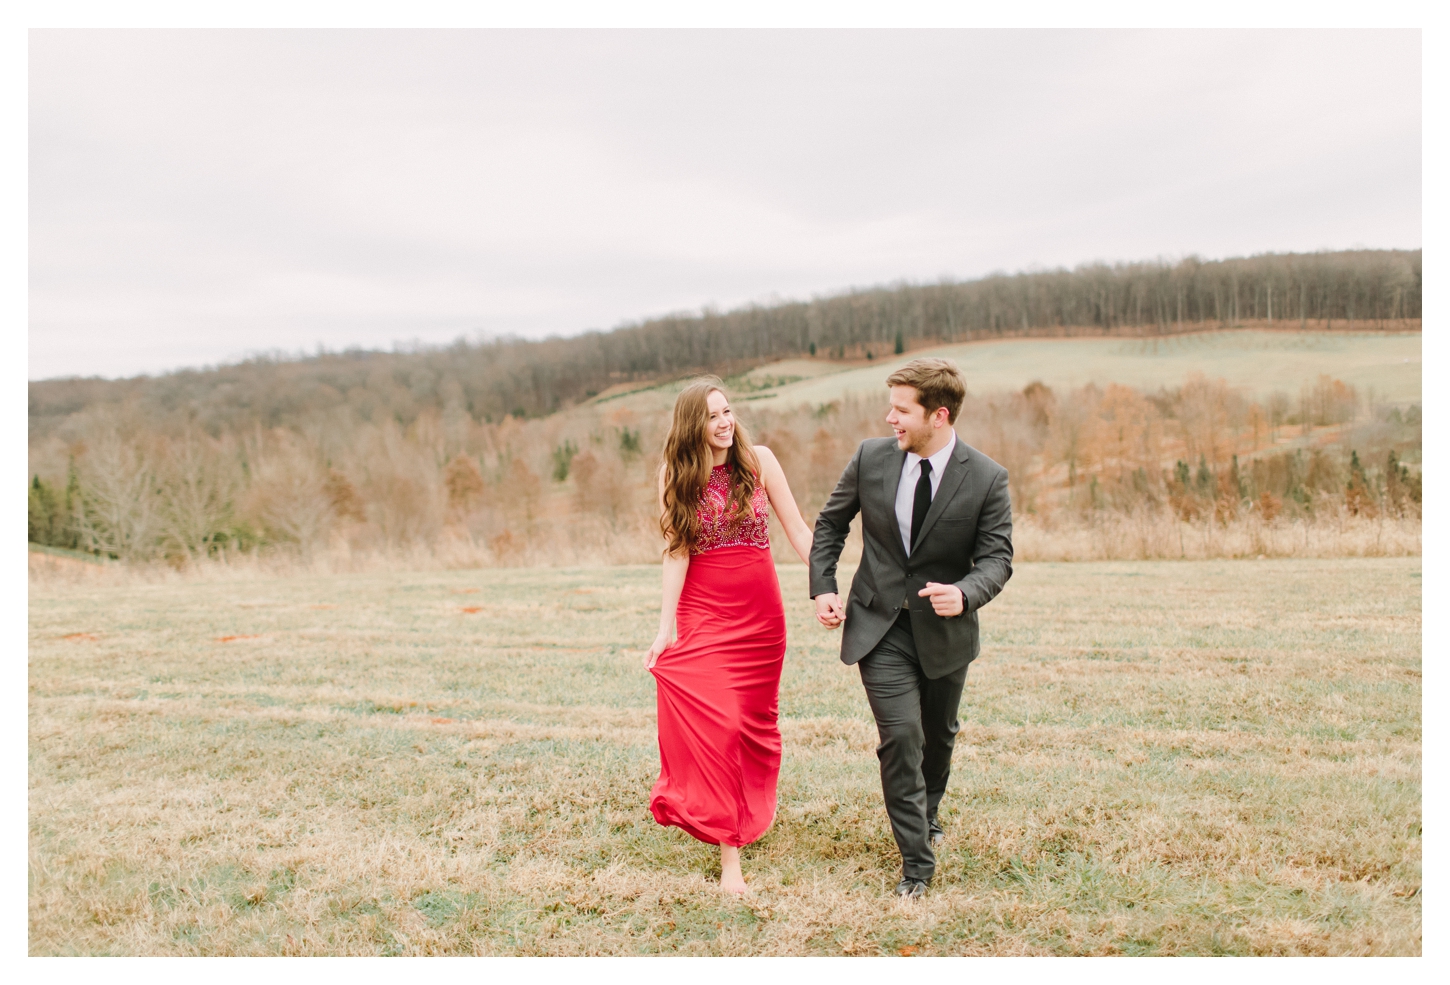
1142	536
1157	758
1158	534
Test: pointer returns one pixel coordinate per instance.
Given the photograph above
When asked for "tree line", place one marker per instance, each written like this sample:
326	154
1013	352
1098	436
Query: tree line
490	381
579	486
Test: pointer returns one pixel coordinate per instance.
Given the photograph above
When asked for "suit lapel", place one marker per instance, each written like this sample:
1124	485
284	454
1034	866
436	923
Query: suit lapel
891	479
956	471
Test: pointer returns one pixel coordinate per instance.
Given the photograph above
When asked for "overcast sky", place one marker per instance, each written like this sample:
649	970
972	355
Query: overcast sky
197	196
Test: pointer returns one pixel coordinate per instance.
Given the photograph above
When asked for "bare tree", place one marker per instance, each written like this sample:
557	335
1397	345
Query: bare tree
403	487
288	493
464	483
198	484
119	511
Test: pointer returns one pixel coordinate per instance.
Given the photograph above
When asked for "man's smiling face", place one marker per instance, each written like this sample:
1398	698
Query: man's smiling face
915	428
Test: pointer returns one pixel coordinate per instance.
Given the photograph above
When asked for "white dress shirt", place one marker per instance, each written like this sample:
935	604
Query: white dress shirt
910	474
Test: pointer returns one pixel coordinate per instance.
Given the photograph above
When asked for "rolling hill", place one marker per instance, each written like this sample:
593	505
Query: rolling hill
1258	362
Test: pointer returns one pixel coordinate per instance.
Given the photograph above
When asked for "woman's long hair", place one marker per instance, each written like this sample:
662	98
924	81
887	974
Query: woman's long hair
686	467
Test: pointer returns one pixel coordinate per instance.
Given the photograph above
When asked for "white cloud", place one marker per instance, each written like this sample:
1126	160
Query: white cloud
196	195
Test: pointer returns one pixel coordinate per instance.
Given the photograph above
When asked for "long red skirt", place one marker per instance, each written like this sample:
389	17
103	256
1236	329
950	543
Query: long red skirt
718	692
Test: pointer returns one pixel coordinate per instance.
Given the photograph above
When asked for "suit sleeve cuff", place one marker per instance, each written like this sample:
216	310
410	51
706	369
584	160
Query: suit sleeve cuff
824	588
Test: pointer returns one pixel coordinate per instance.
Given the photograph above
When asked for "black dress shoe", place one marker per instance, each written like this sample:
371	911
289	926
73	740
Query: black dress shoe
934	834
909	888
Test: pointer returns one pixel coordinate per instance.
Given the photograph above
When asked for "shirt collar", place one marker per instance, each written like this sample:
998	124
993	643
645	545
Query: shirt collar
938	460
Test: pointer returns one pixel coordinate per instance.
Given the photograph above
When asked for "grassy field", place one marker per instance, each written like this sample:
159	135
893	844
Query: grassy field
1260	362
1156	758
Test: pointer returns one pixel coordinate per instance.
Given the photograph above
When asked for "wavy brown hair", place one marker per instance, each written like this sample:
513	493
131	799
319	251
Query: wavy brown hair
686	467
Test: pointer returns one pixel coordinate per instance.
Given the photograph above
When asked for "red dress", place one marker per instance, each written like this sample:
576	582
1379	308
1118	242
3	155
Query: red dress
718	684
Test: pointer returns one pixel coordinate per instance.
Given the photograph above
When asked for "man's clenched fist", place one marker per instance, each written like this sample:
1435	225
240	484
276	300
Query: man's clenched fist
946	600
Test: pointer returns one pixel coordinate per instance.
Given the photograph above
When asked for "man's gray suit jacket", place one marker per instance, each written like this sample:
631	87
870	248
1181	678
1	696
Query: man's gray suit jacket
965	540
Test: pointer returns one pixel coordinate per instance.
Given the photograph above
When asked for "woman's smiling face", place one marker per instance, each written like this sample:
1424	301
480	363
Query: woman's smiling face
720	428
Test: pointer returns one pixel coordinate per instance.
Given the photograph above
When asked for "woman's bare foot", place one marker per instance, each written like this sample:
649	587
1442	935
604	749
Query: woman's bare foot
730	878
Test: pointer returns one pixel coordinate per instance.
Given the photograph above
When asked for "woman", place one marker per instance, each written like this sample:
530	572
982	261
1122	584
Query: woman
719	683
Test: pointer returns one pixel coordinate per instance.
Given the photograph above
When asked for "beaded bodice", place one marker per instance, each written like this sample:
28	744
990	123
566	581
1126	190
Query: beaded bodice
716	526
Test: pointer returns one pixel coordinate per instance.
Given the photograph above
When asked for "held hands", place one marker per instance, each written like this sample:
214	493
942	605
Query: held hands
829	610
946	600
661	643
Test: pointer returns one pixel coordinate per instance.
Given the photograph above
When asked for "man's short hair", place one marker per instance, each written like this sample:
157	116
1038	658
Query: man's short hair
938	383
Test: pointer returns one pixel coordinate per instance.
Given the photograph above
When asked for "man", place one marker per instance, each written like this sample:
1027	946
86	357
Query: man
936	524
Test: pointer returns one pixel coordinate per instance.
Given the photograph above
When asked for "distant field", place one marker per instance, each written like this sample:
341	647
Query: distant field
1156	758
1261	362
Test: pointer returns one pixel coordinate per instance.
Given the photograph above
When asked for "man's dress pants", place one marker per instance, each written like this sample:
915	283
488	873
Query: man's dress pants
916	719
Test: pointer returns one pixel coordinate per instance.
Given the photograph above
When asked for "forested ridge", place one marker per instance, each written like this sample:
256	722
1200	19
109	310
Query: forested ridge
1352	290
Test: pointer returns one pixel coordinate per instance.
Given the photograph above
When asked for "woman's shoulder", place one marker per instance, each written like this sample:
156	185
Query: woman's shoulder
767	460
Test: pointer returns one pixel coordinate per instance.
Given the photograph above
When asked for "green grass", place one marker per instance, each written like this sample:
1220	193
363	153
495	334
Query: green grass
1156	758
1260	362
